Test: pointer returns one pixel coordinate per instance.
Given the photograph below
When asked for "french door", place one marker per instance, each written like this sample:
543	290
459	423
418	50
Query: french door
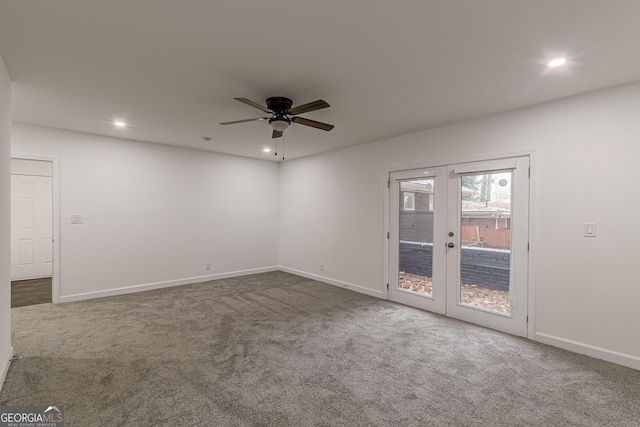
458	241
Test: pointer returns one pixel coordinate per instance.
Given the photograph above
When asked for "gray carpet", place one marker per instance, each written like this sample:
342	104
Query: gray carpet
276	349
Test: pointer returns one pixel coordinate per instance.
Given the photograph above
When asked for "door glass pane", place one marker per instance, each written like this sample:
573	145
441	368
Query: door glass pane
416	235
485	240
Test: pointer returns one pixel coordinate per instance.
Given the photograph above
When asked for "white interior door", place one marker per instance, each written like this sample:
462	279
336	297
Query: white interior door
31	227
458	241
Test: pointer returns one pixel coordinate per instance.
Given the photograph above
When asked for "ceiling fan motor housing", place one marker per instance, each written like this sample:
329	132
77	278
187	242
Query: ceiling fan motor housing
279	104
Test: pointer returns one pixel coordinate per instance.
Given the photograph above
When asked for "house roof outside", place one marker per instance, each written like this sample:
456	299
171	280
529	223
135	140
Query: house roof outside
425	186
492	209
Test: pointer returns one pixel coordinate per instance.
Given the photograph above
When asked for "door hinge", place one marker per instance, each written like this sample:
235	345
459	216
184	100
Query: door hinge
529	172
527	319
387	286
389	184
528	246
387	234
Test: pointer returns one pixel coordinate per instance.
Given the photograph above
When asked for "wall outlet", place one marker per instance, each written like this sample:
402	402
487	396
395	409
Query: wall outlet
207	266
321	267
77	219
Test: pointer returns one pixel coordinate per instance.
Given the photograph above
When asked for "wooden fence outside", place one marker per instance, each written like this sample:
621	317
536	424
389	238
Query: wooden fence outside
495	238
470	233
498	238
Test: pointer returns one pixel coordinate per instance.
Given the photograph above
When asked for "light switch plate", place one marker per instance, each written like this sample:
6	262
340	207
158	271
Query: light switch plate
77	219
589	229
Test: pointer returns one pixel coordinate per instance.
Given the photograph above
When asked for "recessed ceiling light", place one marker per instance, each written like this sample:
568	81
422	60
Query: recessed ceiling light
120	123
557	62
266	150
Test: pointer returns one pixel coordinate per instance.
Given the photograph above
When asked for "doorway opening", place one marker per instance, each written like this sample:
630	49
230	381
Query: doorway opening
459	239
32	231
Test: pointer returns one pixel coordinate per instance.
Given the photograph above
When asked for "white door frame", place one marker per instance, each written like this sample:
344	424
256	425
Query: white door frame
55	177
533	193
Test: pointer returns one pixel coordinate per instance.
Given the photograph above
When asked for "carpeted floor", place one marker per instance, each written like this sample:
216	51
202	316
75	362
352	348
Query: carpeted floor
276	349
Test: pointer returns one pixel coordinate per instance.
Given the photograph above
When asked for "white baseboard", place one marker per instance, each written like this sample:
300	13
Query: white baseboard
5	366
160	285
340	284
597	352
199	279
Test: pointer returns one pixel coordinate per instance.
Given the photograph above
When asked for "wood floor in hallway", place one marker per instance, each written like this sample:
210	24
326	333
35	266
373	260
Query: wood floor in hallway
30	292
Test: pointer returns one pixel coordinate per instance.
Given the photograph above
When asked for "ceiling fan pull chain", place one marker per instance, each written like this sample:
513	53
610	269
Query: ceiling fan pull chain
282	146
275	146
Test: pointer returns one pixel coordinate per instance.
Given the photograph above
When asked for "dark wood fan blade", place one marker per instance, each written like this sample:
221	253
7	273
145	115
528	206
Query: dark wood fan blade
312	123
253	104
245	121
276	134
305	108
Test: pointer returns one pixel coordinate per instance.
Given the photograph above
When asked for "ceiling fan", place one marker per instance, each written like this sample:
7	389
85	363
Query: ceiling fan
282	115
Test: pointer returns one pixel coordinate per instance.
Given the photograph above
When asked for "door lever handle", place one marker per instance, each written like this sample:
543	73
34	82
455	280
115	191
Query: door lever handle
450	245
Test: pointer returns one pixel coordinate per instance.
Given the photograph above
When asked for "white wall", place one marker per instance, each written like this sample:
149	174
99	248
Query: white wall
586	156
5	221
154	214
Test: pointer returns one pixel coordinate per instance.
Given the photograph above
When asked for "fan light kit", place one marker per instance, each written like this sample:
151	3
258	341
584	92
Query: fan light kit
282	114
120	124
279	124
557	62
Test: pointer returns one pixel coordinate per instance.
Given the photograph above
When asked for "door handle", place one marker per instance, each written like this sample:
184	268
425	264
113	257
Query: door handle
450	245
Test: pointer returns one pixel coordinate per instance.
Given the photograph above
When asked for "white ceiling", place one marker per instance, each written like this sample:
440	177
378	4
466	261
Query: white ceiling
172	68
